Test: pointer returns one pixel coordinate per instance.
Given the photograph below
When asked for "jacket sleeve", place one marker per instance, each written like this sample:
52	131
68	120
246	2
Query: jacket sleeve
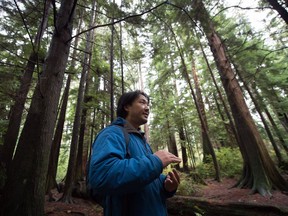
111	173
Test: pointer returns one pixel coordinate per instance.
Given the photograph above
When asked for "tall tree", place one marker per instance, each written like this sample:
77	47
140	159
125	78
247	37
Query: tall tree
111	84
259	172
10	138
264	121
71	172
56	143
231	126
24	193
201	118
205	140
82	153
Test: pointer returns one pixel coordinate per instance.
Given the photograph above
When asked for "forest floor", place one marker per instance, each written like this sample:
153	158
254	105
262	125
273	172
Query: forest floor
218	191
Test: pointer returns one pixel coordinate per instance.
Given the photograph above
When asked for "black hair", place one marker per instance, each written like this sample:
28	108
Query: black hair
127	99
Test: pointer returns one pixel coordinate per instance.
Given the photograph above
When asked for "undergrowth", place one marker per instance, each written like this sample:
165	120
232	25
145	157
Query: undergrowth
230	163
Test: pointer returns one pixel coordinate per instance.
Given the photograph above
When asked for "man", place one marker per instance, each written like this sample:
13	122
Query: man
132	186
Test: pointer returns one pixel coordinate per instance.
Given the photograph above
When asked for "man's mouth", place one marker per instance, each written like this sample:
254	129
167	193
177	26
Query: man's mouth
146	115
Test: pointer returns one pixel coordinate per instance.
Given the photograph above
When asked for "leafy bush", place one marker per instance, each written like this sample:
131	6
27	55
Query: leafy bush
189	182
206	170
230	162
187	185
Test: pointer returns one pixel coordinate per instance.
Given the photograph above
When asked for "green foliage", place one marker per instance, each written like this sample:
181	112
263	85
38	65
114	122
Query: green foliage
63	162
230	162
188	184
206	170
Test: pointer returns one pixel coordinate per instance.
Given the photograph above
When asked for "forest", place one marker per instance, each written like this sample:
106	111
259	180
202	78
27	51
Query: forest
216	72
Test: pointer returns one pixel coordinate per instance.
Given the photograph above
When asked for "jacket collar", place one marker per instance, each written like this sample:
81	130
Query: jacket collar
128	126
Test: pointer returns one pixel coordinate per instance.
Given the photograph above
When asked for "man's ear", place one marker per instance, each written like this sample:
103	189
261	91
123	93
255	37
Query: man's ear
126	108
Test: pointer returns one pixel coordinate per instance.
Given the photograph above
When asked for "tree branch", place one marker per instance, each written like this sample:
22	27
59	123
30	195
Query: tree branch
24	22
243	8
117	21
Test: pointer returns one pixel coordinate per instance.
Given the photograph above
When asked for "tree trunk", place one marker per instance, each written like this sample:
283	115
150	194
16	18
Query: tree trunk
179	123
121	58
284	120
11	136
257	107
82	155
205	140
232	125
171	141
56	143
228	128
55	148
188	206
277	131
25	189
259	171
275	99
281	10
182	138
74	148
111	84
172	147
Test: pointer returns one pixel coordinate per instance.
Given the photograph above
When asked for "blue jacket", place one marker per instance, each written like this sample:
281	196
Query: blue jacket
136	183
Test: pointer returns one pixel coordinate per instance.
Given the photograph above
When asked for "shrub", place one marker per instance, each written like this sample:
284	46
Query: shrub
187	185
230	162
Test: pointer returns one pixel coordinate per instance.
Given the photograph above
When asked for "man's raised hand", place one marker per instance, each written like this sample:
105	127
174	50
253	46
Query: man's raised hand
167	157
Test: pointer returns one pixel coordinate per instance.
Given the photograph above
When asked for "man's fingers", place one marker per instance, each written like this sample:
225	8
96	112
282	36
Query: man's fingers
176	175
175	159
167	157
173	177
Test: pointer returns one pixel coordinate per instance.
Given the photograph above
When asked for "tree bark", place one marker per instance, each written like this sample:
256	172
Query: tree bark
24	193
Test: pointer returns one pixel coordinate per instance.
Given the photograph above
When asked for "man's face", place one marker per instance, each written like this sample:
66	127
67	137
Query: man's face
138	111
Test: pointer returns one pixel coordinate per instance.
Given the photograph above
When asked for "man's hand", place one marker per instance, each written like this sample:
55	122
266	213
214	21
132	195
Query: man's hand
172	181
167	158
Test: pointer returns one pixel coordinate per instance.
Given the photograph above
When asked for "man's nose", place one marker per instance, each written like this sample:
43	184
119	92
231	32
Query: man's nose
147	107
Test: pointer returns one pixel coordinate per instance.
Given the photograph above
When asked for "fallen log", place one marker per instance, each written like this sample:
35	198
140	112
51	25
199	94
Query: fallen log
192	206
